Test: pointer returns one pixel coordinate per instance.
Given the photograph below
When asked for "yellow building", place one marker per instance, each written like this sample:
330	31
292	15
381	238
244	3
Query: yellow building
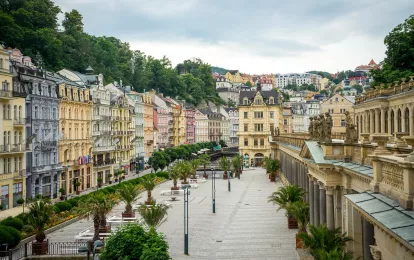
132	137
148	125
324	83
75	143
12	148
121	121
259	112
234	76
336	106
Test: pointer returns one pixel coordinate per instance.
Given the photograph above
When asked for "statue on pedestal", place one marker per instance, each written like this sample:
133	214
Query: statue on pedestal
316	128
322	127
310	129
328	129
350	134
272	131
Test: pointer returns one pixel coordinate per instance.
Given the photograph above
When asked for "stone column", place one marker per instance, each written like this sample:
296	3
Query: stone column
371	121
396	120
383	121
377	120
316	212
411	121
307	188
403	118
389	120
311	201
368	238
330	213
338	207
322	204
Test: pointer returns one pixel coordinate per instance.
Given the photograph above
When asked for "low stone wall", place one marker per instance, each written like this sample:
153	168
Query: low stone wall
60	257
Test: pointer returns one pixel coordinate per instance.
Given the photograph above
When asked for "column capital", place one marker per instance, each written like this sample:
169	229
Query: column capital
330	190
321	185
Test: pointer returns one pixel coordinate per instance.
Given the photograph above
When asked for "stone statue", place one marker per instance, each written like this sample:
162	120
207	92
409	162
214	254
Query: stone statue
328	129
315	128
310	129
278	131
322	127
350	134
272	131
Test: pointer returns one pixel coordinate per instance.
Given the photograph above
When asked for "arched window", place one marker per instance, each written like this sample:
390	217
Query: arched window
20	111
386	121
399	121
407	120
245	101
392	122
15	112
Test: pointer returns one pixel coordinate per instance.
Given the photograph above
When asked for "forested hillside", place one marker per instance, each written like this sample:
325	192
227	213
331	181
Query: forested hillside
32	26
222	71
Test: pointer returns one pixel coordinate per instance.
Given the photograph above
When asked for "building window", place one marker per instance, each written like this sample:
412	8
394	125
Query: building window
245	101
261	142
246	114
258	127
258	114
285	121
271	100
255	142
36	112
342	122
246	142
271	114
246	126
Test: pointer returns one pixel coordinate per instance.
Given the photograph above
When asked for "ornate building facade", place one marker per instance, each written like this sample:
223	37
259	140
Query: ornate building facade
190	124
233	125
139	129
148	125
201	127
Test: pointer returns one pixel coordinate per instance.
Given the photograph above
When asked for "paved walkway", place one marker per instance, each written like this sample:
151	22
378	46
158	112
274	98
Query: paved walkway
245	226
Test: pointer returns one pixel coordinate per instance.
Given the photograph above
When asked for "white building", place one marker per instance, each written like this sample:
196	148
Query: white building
298	79
266	84
233	125
201	127
228	91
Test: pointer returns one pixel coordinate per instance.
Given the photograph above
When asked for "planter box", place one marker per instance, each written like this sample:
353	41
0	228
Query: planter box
128	215
62	198
225	176
205	176
272	178
40	248
77	192
292	223
175	188
106	229
299	242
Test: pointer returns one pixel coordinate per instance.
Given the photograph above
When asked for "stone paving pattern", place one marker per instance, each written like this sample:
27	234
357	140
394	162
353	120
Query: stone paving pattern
245	225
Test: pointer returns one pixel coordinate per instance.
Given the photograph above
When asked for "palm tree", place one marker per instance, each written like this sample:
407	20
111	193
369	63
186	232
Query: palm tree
153	214
299	210
148	182
185	170
287	195
40	213
204	160
224	164
321	240
96	206
175	174
336	254
128	193
237	164
194	164
272	166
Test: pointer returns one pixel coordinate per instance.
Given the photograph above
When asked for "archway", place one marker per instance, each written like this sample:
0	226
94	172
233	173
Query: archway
258	159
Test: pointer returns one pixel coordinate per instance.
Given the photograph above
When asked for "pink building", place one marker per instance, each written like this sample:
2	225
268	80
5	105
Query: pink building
190	124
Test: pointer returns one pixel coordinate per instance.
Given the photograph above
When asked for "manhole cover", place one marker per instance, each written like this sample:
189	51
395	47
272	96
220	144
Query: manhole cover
219	241
246	204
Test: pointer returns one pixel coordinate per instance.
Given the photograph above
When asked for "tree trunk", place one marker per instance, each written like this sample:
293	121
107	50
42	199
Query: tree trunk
149	196
128	208
96	224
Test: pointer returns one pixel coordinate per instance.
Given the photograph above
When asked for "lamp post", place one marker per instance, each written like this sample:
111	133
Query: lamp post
186	193
96	245
213	188
228	179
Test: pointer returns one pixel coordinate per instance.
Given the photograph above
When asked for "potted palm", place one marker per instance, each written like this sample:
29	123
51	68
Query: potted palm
96	206
224	164
148	182
194	164
299	210
185	170
285	196
109	178
99	179
62	193
325	243
272	167
153	214
204	160
128	193
40	213
175	173
116	174
77	184
237	165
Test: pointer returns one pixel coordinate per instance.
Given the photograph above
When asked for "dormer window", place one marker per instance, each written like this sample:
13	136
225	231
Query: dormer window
245	101
271	100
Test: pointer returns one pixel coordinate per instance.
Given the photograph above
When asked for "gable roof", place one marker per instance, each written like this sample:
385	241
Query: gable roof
266	94
232	71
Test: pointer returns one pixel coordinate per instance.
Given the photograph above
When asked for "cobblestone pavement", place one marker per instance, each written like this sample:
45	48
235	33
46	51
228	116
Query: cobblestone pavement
245	226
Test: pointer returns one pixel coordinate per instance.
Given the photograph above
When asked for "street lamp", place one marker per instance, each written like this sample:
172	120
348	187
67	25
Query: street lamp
186	193
229	181
213	188
96	245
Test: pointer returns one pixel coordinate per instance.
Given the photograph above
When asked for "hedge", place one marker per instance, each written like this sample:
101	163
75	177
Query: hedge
12	222
62	206
9	235
164	175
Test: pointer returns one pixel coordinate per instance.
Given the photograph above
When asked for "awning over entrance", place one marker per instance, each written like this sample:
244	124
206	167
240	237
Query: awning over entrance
388	213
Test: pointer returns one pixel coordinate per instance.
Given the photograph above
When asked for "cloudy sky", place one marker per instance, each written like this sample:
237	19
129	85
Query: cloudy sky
260	36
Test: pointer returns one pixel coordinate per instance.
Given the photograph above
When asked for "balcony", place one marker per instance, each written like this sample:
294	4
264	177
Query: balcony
101	163
47	145
12	148
6	94
20	174
21	94
103	149
18	122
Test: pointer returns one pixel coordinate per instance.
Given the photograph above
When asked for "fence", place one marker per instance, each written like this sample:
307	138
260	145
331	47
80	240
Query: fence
53	249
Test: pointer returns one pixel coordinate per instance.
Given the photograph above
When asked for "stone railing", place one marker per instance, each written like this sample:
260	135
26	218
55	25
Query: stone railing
392	175
384	91
297	140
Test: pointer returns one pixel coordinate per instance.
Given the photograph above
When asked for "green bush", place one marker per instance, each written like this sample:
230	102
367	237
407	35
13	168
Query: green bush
28	229
63	206
74	201
164	175
10	236
23	217
12	222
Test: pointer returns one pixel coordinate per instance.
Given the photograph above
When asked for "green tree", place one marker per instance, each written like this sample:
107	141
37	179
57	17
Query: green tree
249	84
40	213
148	181
175	174
128	193
157	161
299	210
358	88
73	22
204	160
225	165
287	195
154	214
237	164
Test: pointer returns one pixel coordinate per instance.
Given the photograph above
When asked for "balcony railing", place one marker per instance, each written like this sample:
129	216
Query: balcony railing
12	148
6	94
297	140
104	148
20	174
18	121
101	163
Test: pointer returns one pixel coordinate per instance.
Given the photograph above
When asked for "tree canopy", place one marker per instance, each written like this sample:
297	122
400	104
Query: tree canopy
32	26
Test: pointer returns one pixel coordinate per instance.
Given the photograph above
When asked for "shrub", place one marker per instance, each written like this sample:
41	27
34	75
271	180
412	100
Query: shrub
63	206
10	236
74	201
23	217
13	222
164	175
28	229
